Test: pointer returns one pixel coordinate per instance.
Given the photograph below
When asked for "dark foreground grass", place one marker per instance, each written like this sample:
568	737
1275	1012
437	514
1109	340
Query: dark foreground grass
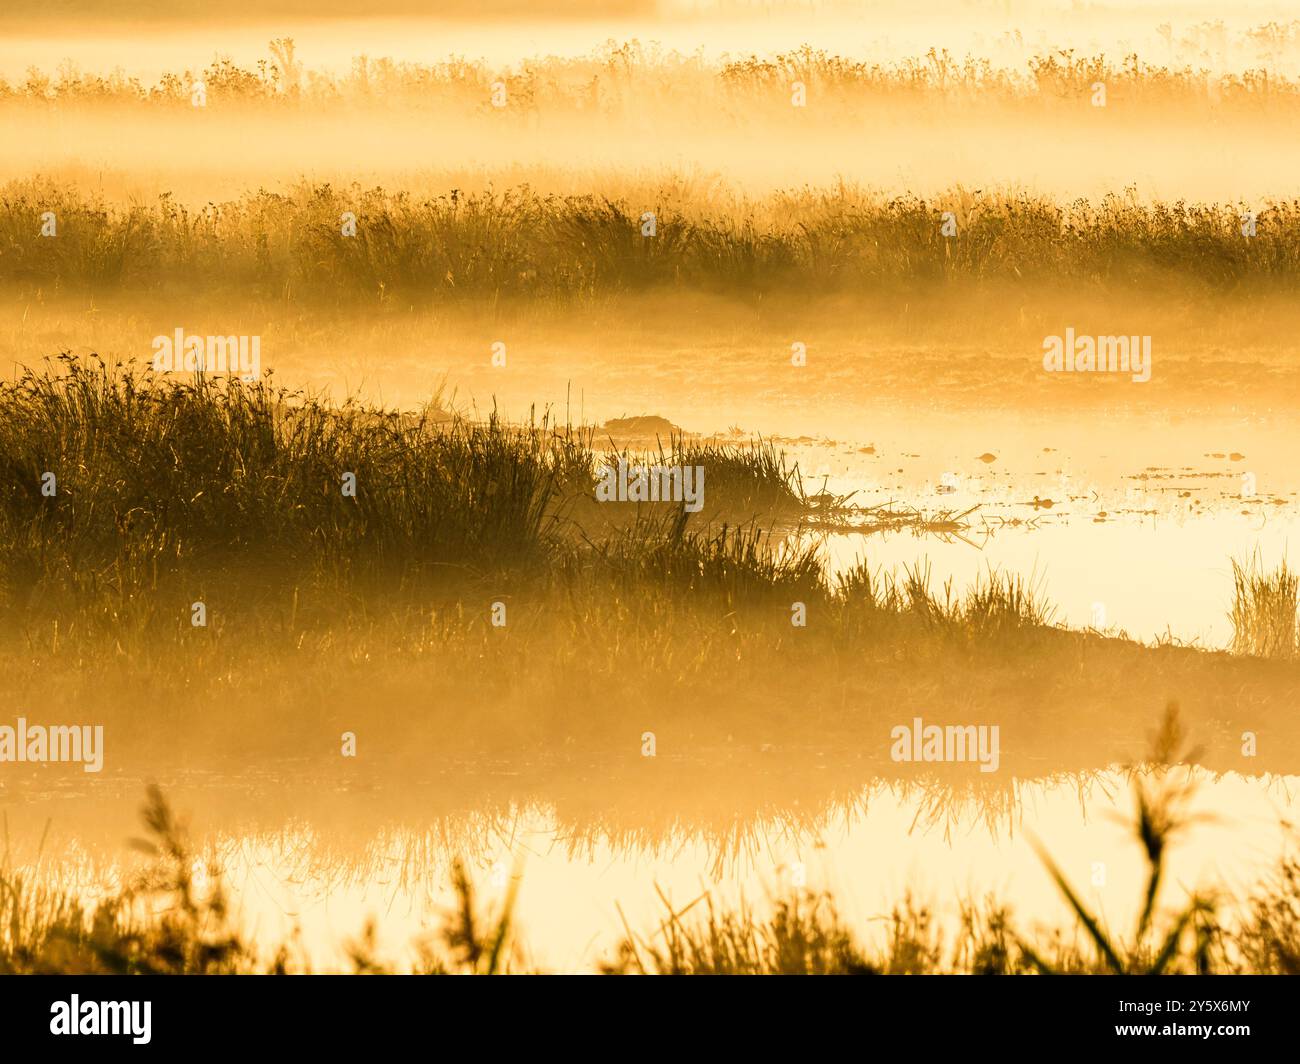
163	923
111	481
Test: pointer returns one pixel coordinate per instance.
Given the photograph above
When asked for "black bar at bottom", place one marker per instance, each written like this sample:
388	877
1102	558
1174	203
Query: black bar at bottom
603	1016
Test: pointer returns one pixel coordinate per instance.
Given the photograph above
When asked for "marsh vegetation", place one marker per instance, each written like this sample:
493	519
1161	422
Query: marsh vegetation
650	231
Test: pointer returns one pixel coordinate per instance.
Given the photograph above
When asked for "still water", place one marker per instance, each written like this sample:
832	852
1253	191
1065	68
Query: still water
293	871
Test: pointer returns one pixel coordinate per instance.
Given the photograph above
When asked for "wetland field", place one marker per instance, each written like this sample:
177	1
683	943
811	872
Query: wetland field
649	488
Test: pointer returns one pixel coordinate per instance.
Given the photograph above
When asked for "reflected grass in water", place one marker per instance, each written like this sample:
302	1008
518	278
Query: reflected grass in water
168	920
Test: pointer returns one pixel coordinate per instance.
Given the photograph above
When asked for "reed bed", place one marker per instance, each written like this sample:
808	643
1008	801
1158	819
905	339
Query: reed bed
624	75
118	483
1264	609
482	541
464	248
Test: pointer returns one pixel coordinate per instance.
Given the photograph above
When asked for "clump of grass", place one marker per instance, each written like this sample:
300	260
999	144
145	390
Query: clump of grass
997	605
1001	602
804	936
986	944
1270	939
742	482
163	487
243	482
1264	608
470	942
160	924
743	565
748	480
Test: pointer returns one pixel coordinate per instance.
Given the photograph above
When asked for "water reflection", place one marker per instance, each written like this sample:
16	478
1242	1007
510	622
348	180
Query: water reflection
323	863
